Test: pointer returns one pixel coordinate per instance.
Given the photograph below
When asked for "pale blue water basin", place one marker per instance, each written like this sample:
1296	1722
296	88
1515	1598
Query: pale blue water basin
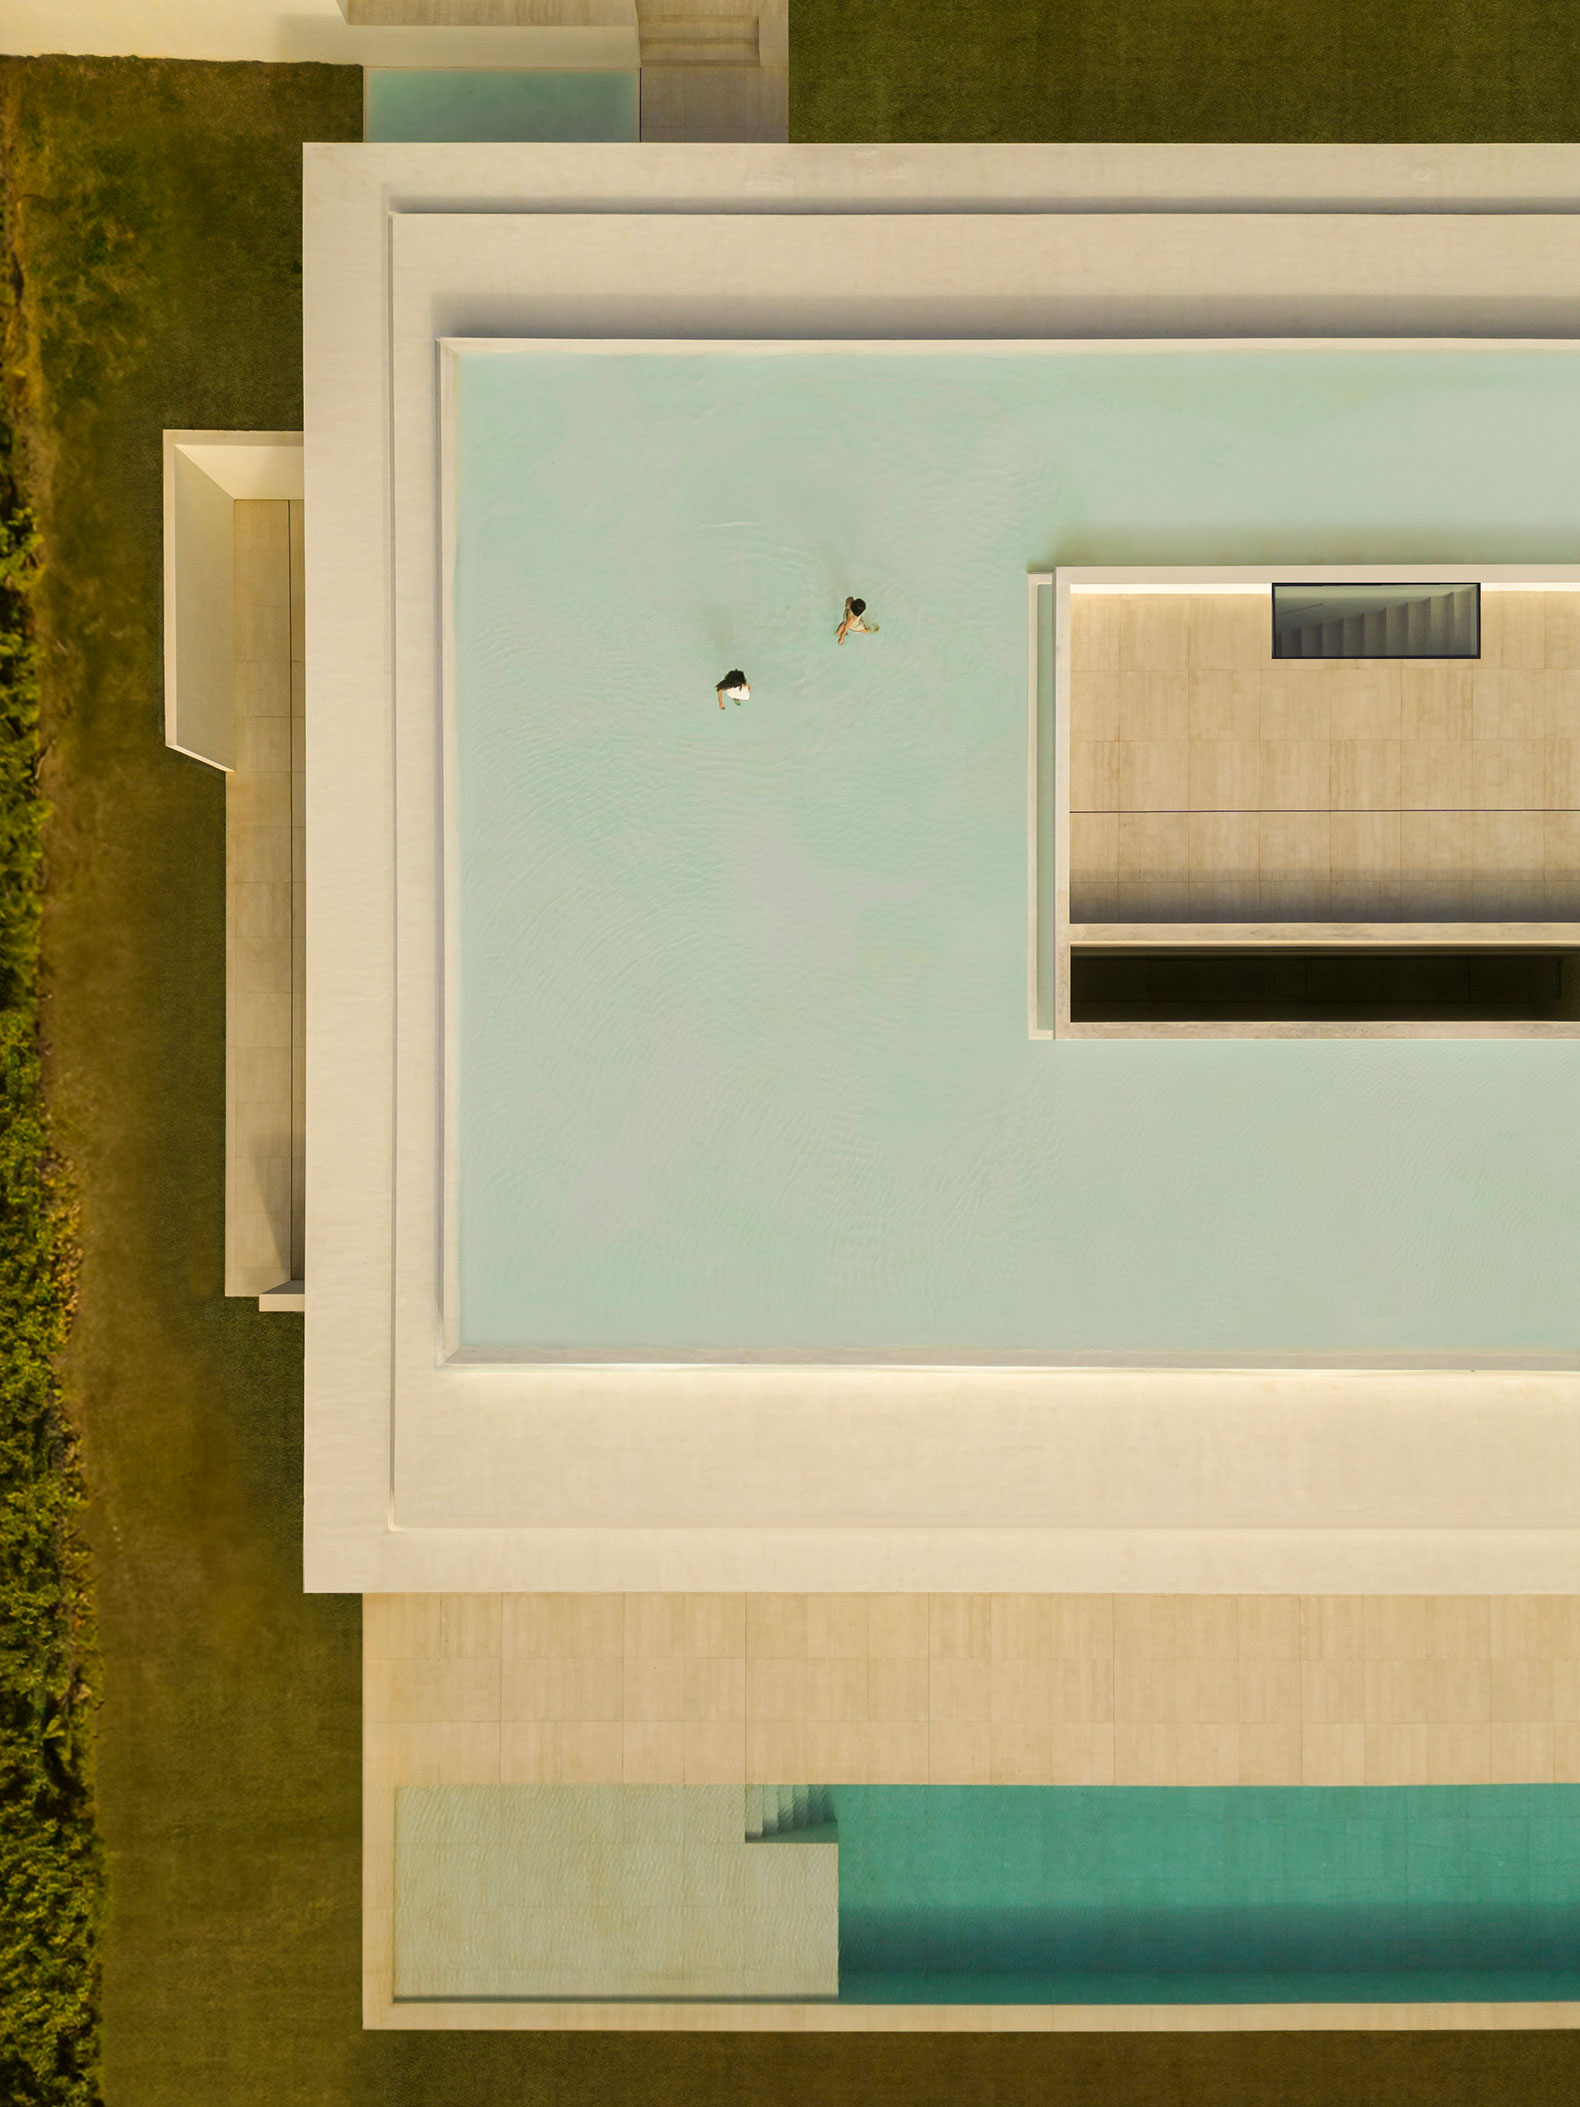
743	1052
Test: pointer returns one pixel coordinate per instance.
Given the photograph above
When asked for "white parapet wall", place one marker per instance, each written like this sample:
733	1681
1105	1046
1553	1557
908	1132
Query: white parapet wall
205	473
234	681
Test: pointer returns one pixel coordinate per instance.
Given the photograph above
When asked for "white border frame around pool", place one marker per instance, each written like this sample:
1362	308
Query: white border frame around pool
1049	776
424	1472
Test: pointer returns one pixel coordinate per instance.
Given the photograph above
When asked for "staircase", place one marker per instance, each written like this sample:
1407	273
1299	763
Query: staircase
804	1813
1437	625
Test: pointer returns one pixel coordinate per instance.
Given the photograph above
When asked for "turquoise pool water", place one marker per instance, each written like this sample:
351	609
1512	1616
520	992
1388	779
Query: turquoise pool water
411	104
1248	1895
743	1052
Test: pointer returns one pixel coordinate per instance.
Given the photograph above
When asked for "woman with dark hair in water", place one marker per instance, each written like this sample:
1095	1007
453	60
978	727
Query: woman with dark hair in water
855	611
734	685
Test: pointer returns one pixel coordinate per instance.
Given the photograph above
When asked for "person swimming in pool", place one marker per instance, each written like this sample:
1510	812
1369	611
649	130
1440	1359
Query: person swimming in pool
855	612
735	686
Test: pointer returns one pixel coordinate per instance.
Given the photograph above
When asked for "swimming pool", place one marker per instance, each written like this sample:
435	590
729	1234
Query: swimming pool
991	1894
742	1051
1182	1895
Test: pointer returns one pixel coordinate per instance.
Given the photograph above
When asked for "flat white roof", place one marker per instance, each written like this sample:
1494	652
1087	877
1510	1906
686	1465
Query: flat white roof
423	1473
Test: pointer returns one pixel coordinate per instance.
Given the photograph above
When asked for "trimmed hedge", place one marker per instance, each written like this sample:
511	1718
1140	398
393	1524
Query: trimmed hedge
51	1869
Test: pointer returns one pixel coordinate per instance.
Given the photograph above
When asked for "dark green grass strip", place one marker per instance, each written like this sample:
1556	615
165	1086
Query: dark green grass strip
51	1871
1291	70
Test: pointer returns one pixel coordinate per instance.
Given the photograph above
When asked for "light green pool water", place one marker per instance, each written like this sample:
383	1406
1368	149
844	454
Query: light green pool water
412	104
1175	1895
743	1051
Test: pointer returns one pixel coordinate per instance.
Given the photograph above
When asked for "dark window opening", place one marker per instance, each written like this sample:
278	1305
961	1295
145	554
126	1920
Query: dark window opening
1376	621
1323	987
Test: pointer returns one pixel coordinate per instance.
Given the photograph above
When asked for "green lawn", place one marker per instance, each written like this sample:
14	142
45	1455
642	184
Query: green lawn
155	256
1184	69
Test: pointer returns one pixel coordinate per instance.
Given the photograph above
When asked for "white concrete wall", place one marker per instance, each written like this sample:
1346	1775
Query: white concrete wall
591	34
205	473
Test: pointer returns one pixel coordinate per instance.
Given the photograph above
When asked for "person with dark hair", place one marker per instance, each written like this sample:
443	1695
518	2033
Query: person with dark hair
734	685
855	611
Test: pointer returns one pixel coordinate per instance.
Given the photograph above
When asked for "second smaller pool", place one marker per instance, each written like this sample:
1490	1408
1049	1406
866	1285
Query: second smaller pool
1183	1895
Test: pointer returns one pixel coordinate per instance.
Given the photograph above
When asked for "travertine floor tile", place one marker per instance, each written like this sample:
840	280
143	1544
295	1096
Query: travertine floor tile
1228	630
836	1689
715	1626
715	1753
1332	1755
1490	750
1269	1755
591	1752
776	1626
715	1688
1204	1689
960	1752
655	1626
655	1753
836	1626
960	1690
897	1688
960	1627
1020	1752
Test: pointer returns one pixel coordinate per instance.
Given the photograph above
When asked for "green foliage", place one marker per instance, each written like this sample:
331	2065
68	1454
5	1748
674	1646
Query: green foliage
51	1876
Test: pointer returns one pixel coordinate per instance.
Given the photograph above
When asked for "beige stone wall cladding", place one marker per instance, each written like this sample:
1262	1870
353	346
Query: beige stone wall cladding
1211	782
264	906
973	1689
1006	1689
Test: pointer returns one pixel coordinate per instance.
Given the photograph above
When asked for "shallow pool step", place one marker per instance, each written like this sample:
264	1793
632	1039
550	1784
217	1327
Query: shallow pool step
786	1810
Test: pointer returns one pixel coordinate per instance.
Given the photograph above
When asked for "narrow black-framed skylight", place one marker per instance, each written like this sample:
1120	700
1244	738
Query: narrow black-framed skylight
1376	621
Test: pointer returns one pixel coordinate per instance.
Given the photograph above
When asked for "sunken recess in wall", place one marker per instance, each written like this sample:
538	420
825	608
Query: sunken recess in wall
1376	621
